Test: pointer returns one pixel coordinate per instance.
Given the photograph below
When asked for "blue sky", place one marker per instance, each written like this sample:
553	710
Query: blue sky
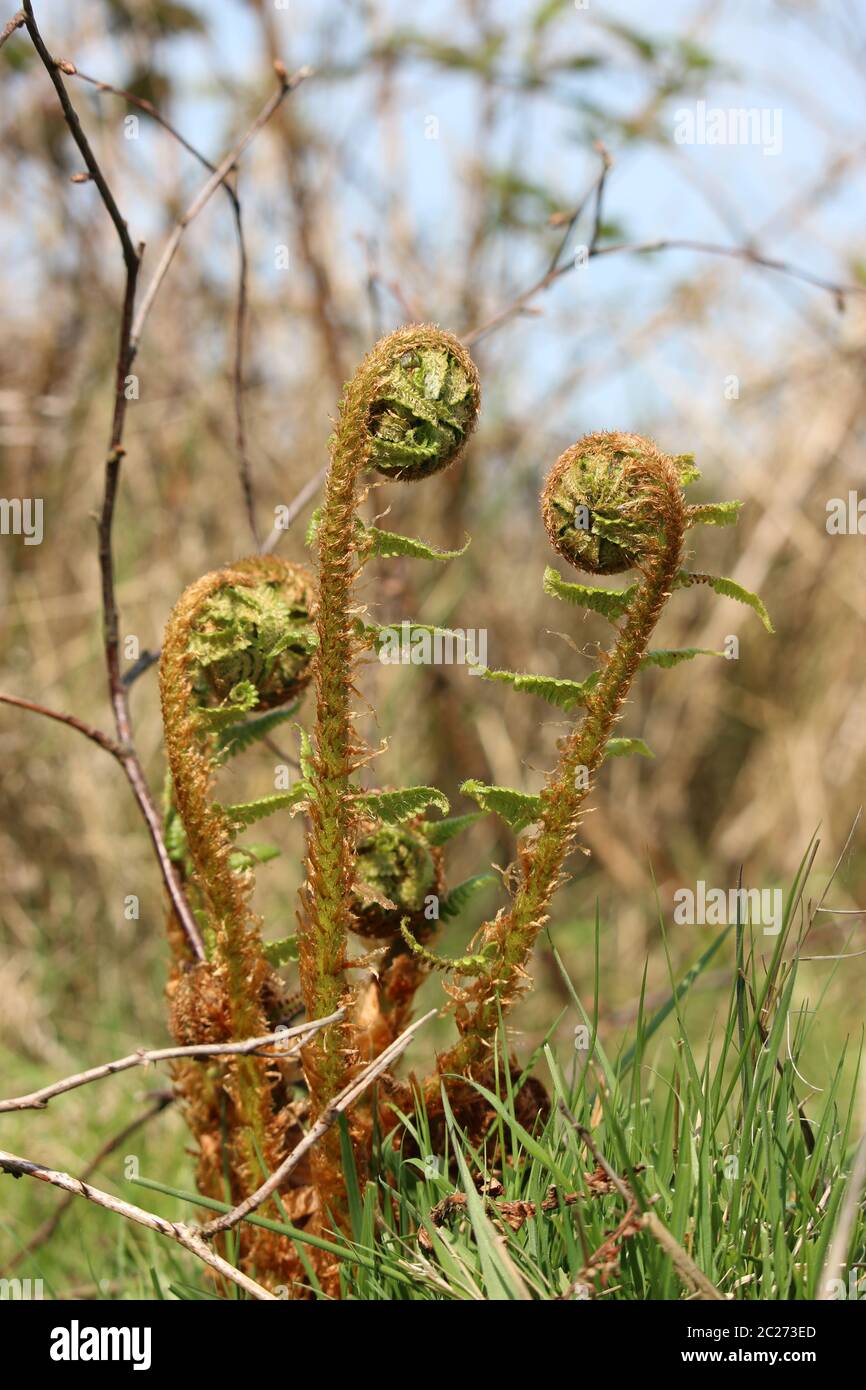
802	59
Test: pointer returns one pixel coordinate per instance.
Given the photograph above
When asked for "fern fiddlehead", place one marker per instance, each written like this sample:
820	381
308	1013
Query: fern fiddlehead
406	413
612	502
398	875
239	639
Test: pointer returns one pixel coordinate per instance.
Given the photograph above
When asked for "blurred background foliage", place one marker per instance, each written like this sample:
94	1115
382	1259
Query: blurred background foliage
430	169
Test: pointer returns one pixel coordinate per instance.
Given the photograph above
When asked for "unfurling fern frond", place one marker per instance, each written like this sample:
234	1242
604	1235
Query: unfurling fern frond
239	639
406	413
612	503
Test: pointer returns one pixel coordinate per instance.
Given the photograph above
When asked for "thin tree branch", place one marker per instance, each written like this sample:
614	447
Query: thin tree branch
742	253
89	730
337	1106
286	85
596	190
606	164
117	691
17	21
138	668
130	254
129	762
72	70
306	494
44	1233
184	1235
301	1035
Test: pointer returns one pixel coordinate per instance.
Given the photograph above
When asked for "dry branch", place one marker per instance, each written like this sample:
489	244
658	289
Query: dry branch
37	1100
710	248
117	691
337	1106
184	1235
90	731
286	85
193	1238
18	20
162	1100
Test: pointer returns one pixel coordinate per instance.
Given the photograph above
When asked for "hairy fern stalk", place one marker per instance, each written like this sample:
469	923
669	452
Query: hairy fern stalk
248	639
406	413
239	639
612	502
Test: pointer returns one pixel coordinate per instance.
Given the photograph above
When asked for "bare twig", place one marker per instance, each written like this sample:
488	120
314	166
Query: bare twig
742	253
129	762
44	1233
195	1239
130	254
89	730
138	668
184	1235
286	85
117	691
337	1106
606	164
18	20
301	1035
307	492
72	70
570	219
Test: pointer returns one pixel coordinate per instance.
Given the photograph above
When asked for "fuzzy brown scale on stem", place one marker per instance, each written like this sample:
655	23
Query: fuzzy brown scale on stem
407	412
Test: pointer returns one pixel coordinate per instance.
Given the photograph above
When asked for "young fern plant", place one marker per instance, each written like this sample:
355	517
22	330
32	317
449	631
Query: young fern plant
612	502
240	640
406	414
248	638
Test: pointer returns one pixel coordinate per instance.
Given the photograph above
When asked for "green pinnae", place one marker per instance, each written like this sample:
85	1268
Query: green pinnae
599	504
393	866
421	415
263	635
